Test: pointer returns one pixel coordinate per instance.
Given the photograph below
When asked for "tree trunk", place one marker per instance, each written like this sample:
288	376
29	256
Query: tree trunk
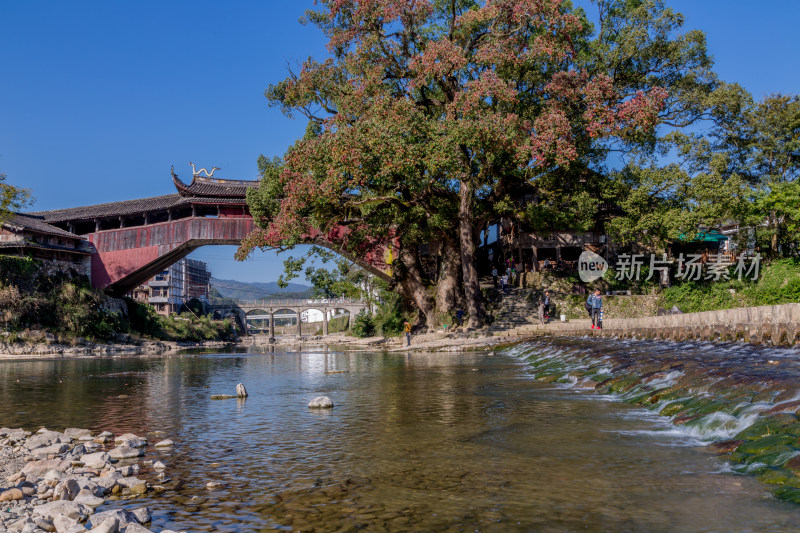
447	287
414	288
472	290
774	240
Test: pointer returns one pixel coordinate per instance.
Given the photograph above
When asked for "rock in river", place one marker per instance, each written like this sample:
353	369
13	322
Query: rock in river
320	402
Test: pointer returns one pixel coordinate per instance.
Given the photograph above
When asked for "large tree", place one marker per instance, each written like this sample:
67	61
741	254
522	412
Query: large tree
430	115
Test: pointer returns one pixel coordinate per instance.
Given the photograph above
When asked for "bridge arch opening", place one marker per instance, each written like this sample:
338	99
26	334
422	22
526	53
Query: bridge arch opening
257	321
340	319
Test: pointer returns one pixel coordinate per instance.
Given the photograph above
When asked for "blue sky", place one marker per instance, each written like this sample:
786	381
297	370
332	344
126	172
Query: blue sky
98	99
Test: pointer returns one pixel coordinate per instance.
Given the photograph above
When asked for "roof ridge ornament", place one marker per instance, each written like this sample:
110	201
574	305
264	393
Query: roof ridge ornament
196	172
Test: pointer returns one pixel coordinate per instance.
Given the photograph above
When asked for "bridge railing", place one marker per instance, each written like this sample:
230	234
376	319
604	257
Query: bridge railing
293	302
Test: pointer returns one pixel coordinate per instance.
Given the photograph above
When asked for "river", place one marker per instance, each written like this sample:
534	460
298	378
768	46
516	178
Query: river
420	442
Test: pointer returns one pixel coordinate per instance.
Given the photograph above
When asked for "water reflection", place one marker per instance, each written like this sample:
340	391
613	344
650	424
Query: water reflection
436	442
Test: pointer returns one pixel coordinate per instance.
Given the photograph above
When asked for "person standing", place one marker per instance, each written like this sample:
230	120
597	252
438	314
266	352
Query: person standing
460	317
407	330
504	282
595	302
547	305
494	276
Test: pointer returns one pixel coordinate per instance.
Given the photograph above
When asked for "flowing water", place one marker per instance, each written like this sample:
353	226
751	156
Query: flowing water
420	442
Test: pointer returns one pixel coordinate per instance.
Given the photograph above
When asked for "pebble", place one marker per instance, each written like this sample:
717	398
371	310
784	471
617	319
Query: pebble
164	443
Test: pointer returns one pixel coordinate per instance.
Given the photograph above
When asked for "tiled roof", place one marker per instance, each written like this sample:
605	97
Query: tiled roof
219	188
126	207
37	223
129	207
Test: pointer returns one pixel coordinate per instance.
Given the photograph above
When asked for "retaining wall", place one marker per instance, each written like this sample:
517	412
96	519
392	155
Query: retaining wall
774	324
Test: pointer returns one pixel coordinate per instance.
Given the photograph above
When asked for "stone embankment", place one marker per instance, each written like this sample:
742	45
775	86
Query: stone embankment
774	324
778	325
64	482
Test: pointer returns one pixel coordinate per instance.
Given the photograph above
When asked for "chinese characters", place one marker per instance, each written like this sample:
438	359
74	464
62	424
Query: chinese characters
691	267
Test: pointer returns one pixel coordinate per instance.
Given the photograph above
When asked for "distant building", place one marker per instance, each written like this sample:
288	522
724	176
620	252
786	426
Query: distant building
30	236
198	278
169	290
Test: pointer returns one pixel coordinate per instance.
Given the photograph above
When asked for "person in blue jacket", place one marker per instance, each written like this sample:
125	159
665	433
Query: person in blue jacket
595	303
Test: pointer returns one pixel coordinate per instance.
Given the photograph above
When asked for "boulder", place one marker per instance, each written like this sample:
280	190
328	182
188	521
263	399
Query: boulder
76	433
52	477
129	481
11	495
39	468
66	490
96	460
104	437
158	465
43	523
139	488
22	524
128	470
133	443
320	402
127	436
86	497
71	509
166	443
65	524
121	517
42	439
53	449
77	452
105	484
109	525
142	515
125	452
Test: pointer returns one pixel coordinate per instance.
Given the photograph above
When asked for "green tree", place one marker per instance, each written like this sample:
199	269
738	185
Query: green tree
743	167
12	198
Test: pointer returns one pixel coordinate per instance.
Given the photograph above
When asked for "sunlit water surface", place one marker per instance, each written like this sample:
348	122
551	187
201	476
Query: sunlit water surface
436	442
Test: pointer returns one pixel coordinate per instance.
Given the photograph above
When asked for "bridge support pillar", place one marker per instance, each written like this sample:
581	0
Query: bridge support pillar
243	318
272	325
324	321
299	324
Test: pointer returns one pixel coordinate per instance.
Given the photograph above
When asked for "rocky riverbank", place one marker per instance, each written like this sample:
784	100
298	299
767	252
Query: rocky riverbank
13	350
69	482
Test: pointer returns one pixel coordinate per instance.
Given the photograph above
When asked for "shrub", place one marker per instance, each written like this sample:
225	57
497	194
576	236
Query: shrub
363	326
390	316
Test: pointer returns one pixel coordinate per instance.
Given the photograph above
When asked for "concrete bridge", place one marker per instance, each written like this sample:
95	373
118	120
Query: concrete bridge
271	308
134	240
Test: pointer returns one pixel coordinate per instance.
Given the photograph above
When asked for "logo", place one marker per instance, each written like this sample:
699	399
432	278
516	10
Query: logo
591	266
